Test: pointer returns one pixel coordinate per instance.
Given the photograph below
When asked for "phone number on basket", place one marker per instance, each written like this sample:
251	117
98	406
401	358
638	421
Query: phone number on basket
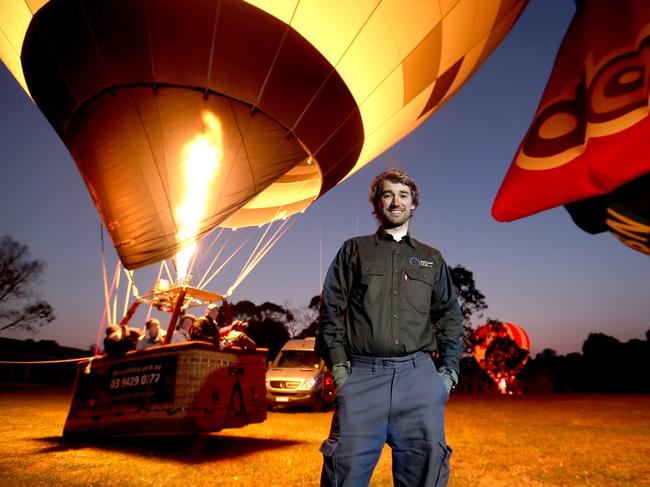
135	380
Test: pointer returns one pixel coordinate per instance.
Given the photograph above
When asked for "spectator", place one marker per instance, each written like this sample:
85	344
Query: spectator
119	340
153	335
235	335
237	325
182	333
205	328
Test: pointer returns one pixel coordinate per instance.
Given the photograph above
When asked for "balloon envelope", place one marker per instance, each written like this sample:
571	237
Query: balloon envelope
290	97
485	335
588	146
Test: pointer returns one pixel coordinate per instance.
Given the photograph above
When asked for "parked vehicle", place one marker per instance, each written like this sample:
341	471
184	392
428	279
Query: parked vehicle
299	377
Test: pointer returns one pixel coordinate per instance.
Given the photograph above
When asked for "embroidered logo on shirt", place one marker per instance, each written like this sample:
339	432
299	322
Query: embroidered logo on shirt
415	262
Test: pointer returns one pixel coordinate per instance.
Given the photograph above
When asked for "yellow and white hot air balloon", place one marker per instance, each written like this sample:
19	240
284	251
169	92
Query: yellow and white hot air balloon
247	110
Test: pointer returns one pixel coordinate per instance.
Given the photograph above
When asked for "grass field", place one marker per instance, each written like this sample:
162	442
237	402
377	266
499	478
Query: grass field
559	440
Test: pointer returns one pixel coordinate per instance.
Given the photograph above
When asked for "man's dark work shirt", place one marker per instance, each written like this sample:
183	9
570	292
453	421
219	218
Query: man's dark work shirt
380	298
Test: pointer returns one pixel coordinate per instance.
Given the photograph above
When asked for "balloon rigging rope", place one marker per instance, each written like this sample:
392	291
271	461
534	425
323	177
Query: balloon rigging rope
106	309
37	362
169	274
107	294
105	280
118	275
258	257
160	269
129	289
191	267
250	257
203	282
320	249
214	240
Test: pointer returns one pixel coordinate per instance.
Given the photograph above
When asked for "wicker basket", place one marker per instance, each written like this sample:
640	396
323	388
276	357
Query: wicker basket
187	388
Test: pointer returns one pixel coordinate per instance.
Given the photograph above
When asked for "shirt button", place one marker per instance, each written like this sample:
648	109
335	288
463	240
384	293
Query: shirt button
396	342
396	270
395	293
395	316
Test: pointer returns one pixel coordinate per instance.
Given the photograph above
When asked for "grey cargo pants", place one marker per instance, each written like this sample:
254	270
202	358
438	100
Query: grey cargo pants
399	401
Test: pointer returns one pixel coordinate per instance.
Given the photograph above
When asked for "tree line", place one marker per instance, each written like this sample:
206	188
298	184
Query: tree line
605	364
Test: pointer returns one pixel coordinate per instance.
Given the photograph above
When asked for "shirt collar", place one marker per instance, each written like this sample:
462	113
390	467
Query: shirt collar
382	234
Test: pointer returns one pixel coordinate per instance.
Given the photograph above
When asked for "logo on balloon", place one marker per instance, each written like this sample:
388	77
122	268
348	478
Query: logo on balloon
607	100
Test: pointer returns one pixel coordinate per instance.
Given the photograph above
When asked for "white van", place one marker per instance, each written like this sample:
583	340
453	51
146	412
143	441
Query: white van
298	377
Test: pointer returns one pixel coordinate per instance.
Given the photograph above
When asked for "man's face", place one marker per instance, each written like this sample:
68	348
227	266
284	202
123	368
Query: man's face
213	313
395	204
187	323
154	328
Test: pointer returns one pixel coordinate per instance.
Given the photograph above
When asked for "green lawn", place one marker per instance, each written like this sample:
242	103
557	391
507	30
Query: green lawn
560	440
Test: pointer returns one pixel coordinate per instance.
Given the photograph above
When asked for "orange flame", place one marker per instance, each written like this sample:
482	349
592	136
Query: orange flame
202	160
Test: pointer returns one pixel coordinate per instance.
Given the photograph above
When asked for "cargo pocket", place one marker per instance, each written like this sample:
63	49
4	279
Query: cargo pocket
328	449
443	473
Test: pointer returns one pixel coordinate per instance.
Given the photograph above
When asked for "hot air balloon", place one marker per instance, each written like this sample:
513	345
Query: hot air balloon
501	350
283	99
187	115
588	147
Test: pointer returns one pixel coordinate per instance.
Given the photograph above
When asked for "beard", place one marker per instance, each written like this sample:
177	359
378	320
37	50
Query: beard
395	218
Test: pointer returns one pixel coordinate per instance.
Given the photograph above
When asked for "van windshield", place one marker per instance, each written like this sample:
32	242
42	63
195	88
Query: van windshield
304	359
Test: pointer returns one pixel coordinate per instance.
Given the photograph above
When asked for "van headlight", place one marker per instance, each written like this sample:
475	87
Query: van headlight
308	385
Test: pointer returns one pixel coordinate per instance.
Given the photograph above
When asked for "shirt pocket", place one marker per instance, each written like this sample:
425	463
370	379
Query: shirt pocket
419	288
372	283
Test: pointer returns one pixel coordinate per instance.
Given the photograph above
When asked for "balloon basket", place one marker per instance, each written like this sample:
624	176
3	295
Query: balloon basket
187	388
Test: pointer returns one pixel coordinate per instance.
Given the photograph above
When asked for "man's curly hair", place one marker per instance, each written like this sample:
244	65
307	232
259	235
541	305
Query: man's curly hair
394	175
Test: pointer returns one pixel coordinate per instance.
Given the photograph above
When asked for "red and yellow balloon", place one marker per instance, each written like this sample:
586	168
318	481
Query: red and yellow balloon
501	350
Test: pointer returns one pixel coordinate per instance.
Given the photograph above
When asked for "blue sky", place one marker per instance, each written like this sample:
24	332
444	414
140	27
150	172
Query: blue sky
542	272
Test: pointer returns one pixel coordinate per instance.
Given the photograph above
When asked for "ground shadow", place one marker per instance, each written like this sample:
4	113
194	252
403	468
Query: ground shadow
183	449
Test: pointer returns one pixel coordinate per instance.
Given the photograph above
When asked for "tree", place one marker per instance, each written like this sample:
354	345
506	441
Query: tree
472	301
267	323
305	322
274	311
20	305
604	357
244	310
269	334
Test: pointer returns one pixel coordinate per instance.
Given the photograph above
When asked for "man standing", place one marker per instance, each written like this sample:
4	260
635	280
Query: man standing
380	297
206	328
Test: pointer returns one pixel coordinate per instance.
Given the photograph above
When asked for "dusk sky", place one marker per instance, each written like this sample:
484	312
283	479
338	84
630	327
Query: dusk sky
542	272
